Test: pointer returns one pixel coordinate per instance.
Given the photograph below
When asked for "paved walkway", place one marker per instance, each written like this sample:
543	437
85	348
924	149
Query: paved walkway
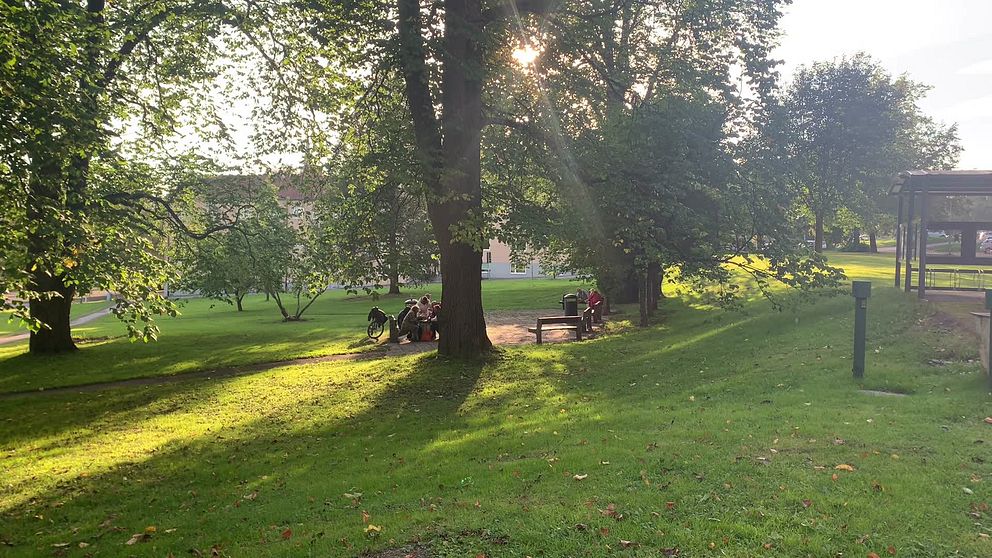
504	328
77	322
225	372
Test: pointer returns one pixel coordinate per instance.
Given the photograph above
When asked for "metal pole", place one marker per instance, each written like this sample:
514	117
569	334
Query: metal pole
861	291
921	287
898	241
908	244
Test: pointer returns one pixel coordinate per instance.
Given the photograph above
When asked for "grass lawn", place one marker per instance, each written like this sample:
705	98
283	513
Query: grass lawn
709	434
211	334
79	310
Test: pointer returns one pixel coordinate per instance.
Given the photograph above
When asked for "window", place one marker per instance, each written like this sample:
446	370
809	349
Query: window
487	256
518	265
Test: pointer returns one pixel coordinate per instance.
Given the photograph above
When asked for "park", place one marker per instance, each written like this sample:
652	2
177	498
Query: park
409	279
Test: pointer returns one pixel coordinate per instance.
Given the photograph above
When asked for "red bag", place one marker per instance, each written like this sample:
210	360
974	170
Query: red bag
426	334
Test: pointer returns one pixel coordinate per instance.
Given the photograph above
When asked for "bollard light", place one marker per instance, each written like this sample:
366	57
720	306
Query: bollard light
861	291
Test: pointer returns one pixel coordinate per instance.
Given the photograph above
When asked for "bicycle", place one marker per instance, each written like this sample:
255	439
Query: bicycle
377	323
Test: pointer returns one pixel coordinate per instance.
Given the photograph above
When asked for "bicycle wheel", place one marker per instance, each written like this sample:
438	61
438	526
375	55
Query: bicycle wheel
375	329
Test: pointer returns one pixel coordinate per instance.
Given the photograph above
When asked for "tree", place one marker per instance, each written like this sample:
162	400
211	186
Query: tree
845	127
220	268
377	215
635	110
87	217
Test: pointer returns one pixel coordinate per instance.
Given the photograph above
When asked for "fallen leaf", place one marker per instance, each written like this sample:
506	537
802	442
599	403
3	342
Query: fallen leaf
365	517
627	544
611	511
988	420
581	527
877	487
670	505
669	552
967	490
373	530
60	545
580	477
807	503
873	555
137	537
603	531
891	550
844	467
83	544
287	534
150	529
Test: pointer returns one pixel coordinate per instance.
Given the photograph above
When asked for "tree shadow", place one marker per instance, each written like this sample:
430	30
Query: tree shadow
300	445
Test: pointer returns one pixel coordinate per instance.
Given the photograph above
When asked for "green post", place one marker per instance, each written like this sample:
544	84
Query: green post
861	291
988	305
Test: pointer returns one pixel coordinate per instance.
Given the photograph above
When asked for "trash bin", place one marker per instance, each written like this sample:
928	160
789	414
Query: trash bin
570	303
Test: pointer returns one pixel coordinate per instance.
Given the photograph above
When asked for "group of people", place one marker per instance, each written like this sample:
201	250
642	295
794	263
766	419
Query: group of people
418	319
592	297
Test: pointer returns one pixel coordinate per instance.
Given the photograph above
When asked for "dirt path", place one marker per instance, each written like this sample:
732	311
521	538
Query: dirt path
77	322
504	328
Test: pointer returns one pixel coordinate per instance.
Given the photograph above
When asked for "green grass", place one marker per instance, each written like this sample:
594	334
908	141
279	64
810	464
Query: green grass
714	433
13	327
211	334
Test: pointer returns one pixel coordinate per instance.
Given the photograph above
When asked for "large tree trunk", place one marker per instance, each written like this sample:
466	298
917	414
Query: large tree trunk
454	167
55	336
873	243
394	268
463	330
818	232
654	286
394	282
643	298
238	297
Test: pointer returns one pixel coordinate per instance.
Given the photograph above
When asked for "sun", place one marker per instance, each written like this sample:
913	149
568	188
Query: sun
526	55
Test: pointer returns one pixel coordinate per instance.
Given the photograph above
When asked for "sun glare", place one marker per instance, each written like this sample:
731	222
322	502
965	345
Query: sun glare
526	55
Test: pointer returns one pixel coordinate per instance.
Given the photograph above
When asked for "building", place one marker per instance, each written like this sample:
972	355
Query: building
497	263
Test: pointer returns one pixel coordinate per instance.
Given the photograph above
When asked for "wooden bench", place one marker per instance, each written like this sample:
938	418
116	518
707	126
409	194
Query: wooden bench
558	323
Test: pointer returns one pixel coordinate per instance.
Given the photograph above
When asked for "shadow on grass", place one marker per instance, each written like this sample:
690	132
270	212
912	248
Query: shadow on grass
423	438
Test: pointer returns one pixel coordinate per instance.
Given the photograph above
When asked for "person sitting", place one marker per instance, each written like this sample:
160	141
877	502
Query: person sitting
406	310
596	303
424	307
410	326
435	313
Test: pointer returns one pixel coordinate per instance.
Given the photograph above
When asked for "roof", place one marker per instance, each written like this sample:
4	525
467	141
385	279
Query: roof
944	182
286	184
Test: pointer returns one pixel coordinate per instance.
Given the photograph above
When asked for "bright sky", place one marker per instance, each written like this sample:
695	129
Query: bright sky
946	44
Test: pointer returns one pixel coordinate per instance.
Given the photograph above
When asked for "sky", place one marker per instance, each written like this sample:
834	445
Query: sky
946	44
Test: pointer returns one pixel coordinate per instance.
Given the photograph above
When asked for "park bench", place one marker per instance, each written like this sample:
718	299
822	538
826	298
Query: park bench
558	323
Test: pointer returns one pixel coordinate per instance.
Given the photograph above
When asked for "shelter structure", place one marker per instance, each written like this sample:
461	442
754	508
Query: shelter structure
944	227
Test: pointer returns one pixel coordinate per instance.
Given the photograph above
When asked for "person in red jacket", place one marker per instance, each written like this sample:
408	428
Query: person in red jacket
596	303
